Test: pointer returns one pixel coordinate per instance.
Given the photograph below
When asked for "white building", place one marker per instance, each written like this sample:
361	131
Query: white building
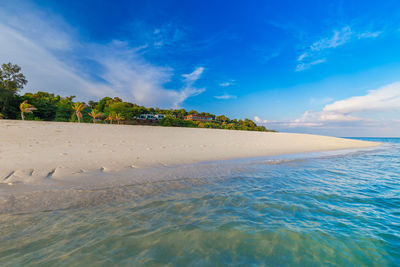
151	117
159	116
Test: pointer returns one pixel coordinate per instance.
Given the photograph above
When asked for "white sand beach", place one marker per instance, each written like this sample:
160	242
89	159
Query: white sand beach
31	151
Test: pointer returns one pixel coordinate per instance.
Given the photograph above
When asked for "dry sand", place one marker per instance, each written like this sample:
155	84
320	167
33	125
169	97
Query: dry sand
32	152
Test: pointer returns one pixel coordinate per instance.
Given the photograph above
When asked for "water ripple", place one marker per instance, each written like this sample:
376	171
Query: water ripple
328	211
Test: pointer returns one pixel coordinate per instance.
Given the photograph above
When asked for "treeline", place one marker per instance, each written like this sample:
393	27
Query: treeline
50	107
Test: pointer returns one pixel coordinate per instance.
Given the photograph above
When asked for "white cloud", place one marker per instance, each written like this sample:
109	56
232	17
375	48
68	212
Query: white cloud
368	35
316	52
386	98
42	69
321	117
193	76
303	66
225	96
227	83
302	56
353	112
54	59
259	120
340	37
312	56
167	35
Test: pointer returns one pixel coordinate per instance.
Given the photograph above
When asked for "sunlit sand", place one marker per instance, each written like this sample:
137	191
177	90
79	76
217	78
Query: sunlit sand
31	152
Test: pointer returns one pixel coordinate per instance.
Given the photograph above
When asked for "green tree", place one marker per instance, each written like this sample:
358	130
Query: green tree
45	103
125	109
92	104
64	109
193	112
222	118
11	78
103	103
180	113
11	82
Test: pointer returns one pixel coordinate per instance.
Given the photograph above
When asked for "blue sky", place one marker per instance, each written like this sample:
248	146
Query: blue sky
295	66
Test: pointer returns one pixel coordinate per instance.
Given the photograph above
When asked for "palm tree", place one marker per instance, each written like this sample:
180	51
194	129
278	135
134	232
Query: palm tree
94	114
110	117
78	107
25	107
118	117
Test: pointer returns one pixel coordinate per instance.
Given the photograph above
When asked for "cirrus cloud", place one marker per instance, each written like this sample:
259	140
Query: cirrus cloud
316	52
227	83
54	58
225	96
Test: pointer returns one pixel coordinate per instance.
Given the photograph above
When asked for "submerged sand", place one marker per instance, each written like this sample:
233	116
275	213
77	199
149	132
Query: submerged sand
32	152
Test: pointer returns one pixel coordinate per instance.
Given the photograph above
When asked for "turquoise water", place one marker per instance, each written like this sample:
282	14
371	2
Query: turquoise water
340	210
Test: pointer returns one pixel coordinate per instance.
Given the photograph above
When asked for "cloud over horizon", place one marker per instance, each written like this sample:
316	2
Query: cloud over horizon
353	112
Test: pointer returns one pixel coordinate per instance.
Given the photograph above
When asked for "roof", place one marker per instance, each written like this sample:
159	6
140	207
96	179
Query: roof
199	116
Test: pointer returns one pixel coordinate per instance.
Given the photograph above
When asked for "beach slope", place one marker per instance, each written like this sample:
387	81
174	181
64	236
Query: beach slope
31	151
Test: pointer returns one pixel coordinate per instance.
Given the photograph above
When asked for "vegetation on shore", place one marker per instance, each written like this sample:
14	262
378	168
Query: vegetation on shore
46	106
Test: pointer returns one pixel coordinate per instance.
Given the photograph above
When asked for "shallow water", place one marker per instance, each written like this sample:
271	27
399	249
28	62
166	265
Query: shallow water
337	210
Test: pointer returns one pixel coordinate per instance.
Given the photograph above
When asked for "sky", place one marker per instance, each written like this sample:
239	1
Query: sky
320	67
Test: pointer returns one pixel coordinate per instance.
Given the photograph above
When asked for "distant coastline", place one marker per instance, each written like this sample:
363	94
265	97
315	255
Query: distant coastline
44	106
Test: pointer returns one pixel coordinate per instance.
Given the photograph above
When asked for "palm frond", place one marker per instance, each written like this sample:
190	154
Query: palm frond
29	110
78	106
26	107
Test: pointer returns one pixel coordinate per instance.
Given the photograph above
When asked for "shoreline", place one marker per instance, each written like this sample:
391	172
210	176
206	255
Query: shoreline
96	188
36	152
37	180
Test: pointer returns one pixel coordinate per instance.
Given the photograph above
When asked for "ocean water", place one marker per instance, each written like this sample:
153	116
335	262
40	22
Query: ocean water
325	210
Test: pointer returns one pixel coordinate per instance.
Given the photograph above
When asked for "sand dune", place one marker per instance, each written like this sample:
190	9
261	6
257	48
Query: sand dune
31	152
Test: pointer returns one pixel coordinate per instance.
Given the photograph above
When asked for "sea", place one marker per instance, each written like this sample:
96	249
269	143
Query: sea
317	209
